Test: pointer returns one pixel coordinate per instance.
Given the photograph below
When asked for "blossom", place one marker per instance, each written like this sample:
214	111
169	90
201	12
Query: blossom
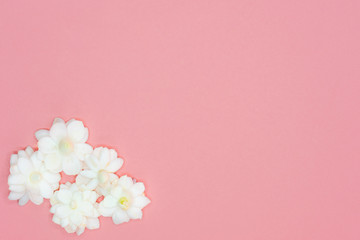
35	175
63	146
125	201
75	209
100	168
29	179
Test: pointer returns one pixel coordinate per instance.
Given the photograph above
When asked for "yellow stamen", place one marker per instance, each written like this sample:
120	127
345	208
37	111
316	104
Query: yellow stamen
35	177
124	202
73	204
66	146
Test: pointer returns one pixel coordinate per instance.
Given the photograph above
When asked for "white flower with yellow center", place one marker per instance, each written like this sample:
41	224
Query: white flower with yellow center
75	209
29	179
100	168
125	201
63	146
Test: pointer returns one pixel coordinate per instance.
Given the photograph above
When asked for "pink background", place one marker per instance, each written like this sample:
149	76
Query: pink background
241	117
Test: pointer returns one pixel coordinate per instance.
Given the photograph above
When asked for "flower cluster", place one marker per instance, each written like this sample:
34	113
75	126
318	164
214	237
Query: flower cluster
35	175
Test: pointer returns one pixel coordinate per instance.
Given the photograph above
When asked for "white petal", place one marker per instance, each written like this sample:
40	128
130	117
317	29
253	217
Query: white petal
92	223
70	228
92	184
86	135
35	198
113	177
82	150
58	131
89	173
54	206
25	165
114	165
113	154
76	218
97	151
71	165
138	189
104	157
56	219
45	190
54	186
36	159
70	121
41	133
80	230
17	188
15	195
126	182
102	190
76	130
120	216
116	191
22	154
134	213
86	208
141	202
81	180
13	159
92	162
109	201
86	195
63	211
29	150
14	170
93	196
53	162
47	145
106	212
24	200
16	179
52	177
64	196
65	222
67	185
77	196
58	120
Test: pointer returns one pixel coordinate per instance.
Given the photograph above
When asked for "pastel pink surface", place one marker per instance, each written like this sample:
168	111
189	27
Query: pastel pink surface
241	117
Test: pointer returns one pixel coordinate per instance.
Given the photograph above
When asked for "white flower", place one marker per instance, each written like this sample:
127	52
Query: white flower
36	175
100	168
64	146
75	209
29	179
125	201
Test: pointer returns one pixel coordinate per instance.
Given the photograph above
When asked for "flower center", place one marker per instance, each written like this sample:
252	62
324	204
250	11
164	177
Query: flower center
103	176
35	177
124	203
73	205
66	146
